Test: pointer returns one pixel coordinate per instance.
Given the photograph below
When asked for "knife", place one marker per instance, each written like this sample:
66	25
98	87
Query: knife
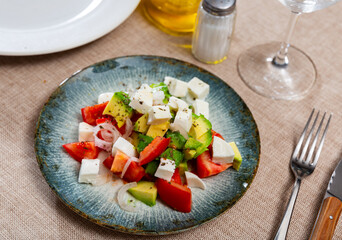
331	207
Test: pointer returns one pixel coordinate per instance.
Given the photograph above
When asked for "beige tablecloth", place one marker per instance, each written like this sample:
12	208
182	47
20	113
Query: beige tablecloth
30	210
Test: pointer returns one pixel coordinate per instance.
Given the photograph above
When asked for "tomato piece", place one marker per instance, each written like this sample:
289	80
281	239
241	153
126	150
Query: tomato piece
149	177
206	168
122	129
134	172
213	133
91	113
108	162
82	150
119	162
174	194
99	134
136	116
103	119
153	150
176	177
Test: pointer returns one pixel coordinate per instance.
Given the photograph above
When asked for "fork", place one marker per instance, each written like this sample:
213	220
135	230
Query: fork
302	165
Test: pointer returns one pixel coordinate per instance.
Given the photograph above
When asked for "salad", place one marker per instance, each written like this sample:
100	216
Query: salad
158	140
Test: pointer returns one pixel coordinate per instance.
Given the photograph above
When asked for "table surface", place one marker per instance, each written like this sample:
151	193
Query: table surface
30	210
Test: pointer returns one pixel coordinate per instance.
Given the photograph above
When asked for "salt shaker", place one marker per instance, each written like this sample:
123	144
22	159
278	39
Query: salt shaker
213	30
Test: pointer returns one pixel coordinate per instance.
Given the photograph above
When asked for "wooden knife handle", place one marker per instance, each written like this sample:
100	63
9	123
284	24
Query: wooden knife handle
327	219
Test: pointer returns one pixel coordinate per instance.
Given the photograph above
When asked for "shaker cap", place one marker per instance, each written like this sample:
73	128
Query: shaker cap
219	7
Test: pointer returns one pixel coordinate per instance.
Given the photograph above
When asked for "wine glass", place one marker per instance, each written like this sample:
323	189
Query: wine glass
278	70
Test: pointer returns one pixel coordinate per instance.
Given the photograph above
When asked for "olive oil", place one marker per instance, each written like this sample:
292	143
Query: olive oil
172	16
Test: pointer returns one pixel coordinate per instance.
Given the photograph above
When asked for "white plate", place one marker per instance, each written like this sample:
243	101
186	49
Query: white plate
40	26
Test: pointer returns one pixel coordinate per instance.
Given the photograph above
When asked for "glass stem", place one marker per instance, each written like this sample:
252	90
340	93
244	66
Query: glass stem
281	59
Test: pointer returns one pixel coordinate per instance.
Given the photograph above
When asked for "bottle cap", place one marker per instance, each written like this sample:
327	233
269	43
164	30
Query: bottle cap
219	7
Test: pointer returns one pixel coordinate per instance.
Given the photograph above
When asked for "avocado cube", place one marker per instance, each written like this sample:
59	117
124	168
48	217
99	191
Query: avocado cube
135	139
118	108
158	130
183	166
237	158
177	140
193	148
151	167
206	138
192	143
189	154
200	150
143	141
174	155
145	192
200	126
141	124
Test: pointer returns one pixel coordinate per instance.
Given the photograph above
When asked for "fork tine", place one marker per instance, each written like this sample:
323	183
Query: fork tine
306	145
299	144
321	142
313	145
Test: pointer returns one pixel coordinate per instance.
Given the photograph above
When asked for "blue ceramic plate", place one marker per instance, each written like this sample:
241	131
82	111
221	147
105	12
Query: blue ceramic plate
58	124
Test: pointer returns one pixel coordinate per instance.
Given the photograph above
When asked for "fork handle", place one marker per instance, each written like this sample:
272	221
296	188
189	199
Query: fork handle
284	225
327	219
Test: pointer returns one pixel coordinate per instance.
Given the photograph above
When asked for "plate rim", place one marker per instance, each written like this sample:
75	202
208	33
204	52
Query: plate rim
120	228
82	39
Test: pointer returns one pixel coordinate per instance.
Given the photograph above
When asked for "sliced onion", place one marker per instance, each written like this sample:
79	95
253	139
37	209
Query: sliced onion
116	136
109	133
106	135
110	127
128	129
127	165
107	146
121	195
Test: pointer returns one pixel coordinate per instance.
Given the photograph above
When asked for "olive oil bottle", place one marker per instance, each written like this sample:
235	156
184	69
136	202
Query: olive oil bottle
174	17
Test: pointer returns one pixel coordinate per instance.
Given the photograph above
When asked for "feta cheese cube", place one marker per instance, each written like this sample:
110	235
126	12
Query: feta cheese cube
142	100
176	103
201	107
85	132
182	122
222	151
158	97
189	99
176	87
173	104
158	115
194	181
105	97
184	118
198	88
167	80
145	87
89	170
177	128
124	146
165	169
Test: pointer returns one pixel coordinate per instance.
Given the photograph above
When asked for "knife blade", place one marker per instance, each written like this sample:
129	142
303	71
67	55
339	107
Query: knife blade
331	207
